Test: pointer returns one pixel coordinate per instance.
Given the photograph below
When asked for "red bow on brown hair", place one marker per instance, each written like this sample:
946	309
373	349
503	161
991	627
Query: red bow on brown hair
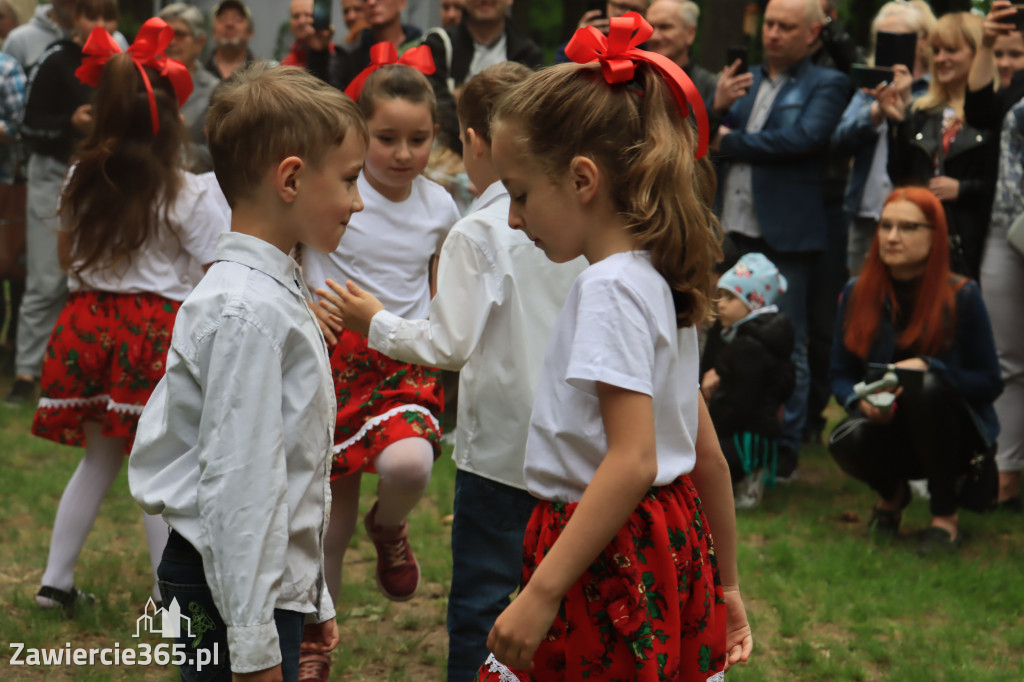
618	54
384	53
147	50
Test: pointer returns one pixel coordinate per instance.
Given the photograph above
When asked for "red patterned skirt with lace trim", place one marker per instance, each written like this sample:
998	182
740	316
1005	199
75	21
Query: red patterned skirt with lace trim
380	401
649	608
106	354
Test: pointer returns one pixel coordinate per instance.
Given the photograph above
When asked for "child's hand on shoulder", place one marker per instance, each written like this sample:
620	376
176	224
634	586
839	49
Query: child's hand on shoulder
521	628
352	305
320	638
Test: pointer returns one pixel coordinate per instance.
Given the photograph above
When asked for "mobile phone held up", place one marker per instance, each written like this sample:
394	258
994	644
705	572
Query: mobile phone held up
862	76
737	52
600	6
321	15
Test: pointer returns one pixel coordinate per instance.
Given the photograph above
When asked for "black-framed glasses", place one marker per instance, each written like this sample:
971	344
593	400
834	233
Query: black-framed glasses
903	227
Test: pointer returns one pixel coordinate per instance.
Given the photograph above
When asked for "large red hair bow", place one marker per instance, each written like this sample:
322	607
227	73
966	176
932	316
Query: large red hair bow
384	53
147	50
618	54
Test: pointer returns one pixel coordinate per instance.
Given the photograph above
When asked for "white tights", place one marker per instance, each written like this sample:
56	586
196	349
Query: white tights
80	505
404	469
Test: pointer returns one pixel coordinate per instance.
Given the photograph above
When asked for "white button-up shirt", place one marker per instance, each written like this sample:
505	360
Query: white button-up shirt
497	300
234	447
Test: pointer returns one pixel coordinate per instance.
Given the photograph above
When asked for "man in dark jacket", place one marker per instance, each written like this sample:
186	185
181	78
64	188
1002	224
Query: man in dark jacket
484	37
57	116
772	154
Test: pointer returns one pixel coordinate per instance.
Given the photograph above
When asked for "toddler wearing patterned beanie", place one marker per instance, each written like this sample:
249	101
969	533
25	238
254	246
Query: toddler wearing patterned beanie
747	373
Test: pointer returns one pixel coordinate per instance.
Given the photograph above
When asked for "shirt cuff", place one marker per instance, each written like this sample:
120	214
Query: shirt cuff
382	330
254	648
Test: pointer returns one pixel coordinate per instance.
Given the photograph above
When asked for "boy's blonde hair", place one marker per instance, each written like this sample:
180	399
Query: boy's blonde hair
263	114
636	134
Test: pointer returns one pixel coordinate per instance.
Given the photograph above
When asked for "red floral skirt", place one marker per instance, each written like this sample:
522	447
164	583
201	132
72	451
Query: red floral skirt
106	354
380	401
650	607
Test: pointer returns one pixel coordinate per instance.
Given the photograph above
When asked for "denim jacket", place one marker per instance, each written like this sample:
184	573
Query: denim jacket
969	365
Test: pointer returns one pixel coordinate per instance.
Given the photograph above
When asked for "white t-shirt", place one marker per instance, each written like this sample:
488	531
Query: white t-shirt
387	247
168	263
498	297
617	327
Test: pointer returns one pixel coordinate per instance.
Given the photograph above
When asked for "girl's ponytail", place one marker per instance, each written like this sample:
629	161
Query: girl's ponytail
636	133
126	177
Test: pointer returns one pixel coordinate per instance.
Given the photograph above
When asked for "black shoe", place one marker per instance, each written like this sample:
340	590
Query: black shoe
65	599
786	470
22	393
884	523
811	436
1009	506
937	542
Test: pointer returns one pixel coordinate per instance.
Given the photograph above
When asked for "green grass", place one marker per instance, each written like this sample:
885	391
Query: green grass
825	603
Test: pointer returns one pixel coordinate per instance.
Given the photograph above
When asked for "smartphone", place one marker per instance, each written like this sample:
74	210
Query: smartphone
1018	18
322	14
598	6
862	76
896	48
737	52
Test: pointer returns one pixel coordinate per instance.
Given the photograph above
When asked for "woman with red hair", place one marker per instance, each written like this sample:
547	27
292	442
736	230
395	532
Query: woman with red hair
908	309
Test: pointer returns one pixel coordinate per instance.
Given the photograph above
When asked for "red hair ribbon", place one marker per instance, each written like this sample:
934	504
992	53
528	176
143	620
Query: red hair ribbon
384	53
618	54
147	50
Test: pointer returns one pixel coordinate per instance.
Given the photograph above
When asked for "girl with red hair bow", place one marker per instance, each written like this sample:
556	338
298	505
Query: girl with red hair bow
621	578
134	230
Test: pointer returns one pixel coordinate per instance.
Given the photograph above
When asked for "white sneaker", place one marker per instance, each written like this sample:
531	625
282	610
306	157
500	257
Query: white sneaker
747	493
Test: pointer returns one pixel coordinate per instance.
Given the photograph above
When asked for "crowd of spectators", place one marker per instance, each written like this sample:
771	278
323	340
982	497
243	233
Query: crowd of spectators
806	153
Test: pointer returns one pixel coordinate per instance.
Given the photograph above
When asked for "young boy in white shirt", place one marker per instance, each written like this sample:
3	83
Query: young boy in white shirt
234	447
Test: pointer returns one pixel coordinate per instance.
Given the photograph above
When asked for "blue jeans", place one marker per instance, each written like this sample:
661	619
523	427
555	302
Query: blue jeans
181	577
487	565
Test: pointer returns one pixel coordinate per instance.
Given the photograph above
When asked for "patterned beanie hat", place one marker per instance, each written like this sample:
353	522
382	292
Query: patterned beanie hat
754	280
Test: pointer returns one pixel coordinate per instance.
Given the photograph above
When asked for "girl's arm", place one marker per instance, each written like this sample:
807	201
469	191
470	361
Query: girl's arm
623	478
714	485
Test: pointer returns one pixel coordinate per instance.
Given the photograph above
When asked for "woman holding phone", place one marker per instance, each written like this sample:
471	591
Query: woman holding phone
932	145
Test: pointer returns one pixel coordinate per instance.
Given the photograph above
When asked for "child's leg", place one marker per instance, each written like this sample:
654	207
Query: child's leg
157	531
487	564
404	468
344	514
79	506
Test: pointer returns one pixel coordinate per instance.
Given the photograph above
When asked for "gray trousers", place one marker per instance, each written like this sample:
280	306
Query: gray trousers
1002	284
46	285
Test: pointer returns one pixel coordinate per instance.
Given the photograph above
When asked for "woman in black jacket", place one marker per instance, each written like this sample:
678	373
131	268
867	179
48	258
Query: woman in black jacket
932	144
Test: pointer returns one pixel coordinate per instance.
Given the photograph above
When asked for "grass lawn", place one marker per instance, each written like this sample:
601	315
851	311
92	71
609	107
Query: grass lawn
825	603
